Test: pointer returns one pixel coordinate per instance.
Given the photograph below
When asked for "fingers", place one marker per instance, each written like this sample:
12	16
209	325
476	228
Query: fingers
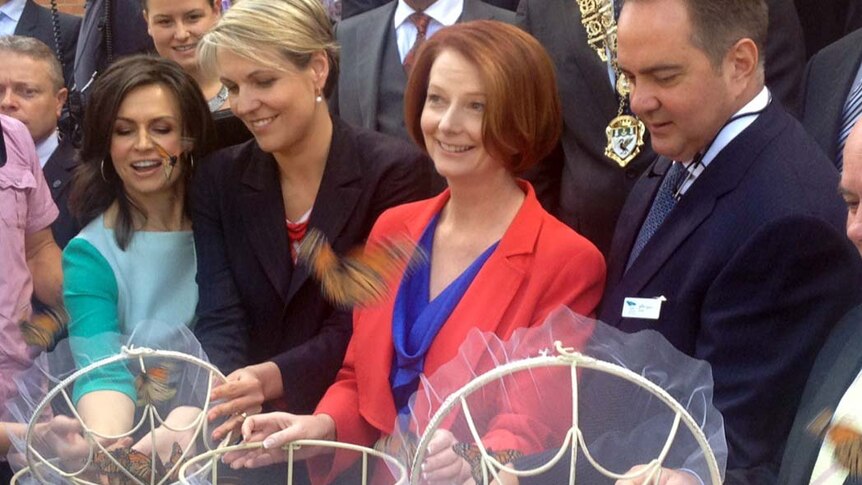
445	469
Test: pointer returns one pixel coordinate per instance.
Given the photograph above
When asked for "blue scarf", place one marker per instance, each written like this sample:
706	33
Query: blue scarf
416	320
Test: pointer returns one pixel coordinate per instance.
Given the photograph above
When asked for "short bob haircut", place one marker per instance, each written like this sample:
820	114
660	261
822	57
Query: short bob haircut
94	190
523	118
269	31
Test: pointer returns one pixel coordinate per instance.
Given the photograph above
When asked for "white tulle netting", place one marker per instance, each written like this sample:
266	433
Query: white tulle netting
547	406
161	368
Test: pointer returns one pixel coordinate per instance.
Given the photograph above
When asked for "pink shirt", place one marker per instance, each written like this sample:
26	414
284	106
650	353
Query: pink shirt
25	208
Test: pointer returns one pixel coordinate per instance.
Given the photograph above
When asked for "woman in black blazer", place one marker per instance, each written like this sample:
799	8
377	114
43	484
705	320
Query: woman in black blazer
260	316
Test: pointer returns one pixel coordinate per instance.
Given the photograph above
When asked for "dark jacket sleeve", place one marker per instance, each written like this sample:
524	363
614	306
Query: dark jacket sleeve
222	325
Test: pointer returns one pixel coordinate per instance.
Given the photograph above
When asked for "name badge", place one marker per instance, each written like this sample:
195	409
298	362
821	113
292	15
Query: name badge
647	308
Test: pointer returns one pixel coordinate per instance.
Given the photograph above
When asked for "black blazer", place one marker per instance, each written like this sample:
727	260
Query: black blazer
36	22
828	79
58	173
837	365
581	186
254	304
755	269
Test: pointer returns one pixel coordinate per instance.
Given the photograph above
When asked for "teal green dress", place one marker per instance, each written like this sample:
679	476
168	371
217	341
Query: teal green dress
109	292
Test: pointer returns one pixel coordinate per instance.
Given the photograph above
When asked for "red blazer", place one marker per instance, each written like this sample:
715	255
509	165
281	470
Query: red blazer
538	265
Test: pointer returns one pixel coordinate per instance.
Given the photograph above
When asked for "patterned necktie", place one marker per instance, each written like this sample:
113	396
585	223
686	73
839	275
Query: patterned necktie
421	21
662	204
852	110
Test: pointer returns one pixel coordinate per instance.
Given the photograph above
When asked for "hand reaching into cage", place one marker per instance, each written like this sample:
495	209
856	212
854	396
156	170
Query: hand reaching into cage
276	430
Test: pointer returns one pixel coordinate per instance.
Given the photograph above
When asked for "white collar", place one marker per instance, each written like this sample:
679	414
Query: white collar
46	147
725	136
13	9
444	12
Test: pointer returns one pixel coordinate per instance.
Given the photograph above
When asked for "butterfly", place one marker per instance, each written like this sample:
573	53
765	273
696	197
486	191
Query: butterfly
361	277
153	386
45	328
846	441
471	454
139	465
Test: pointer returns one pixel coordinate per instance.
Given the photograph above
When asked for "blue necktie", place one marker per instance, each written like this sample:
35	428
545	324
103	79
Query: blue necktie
852	110
662	204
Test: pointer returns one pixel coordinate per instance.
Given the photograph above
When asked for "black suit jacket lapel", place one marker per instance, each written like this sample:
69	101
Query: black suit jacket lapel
262	210
337	196
27	23
58	168
370	61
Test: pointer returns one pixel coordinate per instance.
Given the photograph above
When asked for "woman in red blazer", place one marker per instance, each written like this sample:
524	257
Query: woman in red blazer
482	101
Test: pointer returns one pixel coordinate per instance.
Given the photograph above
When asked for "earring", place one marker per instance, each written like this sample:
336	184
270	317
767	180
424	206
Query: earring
318	95
191	161
102	169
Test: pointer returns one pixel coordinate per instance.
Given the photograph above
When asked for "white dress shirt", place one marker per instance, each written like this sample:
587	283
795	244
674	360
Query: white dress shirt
443	13
10	14
46	147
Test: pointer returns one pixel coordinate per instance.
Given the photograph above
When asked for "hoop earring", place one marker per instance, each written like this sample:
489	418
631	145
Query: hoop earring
191	161
102	170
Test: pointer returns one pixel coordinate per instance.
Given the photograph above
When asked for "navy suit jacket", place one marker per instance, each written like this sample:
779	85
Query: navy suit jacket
582	186
828	79
58	172
755	270
837	365
36	22
254	304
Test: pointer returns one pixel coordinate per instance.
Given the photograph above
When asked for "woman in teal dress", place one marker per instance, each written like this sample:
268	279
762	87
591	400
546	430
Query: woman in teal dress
134	262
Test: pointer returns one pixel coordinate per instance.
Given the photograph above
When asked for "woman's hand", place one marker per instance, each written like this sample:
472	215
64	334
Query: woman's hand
668	477
177	428
276	430
245	391
442	465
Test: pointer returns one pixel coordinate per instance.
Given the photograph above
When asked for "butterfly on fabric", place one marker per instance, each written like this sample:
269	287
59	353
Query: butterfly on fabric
45	328
845	440
362	277
139	465
153	385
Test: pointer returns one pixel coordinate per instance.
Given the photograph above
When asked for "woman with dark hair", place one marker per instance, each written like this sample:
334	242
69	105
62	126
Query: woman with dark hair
482	101
134	261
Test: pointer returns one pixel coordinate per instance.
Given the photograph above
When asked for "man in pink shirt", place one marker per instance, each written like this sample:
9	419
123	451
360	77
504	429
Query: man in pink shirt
29	258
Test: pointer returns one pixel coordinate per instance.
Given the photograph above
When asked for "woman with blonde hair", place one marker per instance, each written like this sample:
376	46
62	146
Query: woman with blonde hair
261	316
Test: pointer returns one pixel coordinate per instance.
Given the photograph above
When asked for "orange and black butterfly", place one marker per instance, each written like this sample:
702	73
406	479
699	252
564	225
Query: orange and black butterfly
361	277
45	328
139	465
845	440
153	386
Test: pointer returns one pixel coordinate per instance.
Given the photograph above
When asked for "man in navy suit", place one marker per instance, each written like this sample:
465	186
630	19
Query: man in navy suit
834	387
731	244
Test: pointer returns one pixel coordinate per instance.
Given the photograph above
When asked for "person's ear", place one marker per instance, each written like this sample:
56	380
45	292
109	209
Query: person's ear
320	68
61	96
742	63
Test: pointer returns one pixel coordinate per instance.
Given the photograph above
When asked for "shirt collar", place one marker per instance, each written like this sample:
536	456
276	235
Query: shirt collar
13	9
444	12
46	147
725	136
